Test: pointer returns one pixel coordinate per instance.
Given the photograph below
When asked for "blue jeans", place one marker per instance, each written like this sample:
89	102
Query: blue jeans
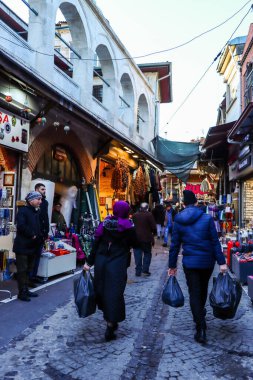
142	257
167	231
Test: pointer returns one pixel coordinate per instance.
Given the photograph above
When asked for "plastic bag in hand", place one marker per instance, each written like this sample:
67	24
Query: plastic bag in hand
172	294
85	299
225	296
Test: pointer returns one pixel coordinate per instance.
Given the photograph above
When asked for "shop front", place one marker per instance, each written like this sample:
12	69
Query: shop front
14	137
126	175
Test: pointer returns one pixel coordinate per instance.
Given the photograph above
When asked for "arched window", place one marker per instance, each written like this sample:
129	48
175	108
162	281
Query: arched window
126	110
142	121
70	40
58	165
103	77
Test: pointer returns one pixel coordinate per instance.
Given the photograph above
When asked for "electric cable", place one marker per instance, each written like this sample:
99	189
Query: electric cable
140	56
205	72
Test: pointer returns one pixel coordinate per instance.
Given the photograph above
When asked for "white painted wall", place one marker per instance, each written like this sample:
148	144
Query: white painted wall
90	32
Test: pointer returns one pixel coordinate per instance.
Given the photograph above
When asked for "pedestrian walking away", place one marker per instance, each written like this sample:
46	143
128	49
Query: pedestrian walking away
113	239
44	224
145	229
28	242
196	231
159	216
169	220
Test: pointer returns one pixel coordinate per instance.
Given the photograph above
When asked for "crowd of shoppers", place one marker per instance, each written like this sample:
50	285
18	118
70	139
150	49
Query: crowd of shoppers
191	228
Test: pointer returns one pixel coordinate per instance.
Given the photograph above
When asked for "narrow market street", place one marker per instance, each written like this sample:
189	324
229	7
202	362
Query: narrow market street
154	342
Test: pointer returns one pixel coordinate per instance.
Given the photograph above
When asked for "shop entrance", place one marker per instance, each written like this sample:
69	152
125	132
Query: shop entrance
59	166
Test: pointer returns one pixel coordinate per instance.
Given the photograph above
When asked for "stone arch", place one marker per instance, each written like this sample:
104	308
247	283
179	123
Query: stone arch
105	80
70	140
74	30
142	115
127	100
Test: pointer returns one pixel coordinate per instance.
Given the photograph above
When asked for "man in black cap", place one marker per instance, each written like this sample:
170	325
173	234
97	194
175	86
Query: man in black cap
196	231
44	225
27	242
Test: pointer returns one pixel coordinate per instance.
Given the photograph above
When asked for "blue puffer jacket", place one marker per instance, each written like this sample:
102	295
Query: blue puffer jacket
196	231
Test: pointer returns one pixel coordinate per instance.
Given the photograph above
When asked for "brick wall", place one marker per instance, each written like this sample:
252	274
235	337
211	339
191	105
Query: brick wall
51	137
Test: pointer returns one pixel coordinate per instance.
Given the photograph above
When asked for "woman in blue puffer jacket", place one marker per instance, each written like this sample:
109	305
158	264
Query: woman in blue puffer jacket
201	248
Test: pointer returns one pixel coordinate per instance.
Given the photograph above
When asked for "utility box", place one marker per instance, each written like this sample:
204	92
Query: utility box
242	269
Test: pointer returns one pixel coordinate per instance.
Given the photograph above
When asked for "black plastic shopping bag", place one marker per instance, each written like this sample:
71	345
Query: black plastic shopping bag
85	299
225	296
172	294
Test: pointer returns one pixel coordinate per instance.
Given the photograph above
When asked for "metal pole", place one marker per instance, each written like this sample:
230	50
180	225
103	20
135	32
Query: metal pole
31	9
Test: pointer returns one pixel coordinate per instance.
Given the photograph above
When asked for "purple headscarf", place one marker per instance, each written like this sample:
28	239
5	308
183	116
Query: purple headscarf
120	213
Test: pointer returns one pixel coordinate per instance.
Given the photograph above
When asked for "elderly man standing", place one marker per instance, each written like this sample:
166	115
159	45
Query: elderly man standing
27	242
145	225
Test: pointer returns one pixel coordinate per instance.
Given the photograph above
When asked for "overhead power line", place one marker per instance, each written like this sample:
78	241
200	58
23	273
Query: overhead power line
205	72
140	56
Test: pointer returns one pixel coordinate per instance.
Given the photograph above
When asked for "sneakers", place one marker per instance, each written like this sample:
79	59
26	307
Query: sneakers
146	273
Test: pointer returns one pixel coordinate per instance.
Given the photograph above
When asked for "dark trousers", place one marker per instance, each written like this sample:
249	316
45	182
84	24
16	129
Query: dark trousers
197	282
34	271
142	256
25	265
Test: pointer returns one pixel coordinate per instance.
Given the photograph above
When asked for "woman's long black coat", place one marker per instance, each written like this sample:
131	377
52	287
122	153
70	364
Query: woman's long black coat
110	258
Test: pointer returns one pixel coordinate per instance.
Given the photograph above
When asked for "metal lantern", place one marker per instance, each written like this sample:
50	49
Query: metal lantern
8	98
56	124
66	128
43	120
39	120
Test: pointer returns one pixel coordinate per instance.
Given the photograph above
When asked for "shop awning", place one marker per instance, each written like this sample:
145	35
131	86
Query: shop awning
216	145
244	124
177	157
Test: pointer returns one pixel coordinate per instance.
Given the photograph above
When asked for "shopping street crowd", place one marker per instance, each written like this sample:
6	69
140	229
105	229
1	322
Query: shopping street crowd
191	229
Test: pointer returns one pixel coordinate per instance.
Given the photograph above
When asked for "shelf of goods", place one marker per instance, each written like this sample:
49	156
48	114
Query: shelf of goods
49	267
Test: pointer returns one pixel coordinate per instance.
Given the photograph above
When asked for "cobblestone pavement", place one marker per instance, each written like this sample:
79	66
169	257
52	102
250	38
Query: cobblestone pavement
155	342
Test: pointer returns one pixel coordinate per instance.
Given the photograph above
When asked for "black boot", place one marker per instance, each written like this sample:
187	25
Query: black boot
200	335
31	294
23	296
109	333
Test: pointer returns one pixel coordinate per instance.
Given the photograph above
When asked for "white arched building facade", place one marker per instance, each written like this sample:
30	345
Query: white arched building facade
85	77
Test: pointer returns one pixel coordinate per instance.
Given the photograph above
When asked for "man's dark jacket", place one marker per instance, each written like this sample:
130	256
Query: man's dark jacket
145	226
196	231
159	214
28	226
44	217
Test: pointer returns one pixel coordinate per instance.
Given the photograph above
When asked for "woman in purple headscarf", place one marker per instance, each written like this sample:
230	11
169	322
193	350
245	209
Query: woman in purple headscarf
113	239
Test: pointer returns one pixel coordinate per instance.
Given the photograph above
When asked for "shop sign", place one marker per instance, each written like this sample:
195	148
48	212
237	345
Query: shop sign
244	151
14	131
244	163
233	171
60	154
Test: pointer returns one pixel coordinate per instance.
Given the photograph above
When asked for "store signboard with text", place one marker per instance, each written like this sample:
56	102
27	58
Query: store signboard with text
14	131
